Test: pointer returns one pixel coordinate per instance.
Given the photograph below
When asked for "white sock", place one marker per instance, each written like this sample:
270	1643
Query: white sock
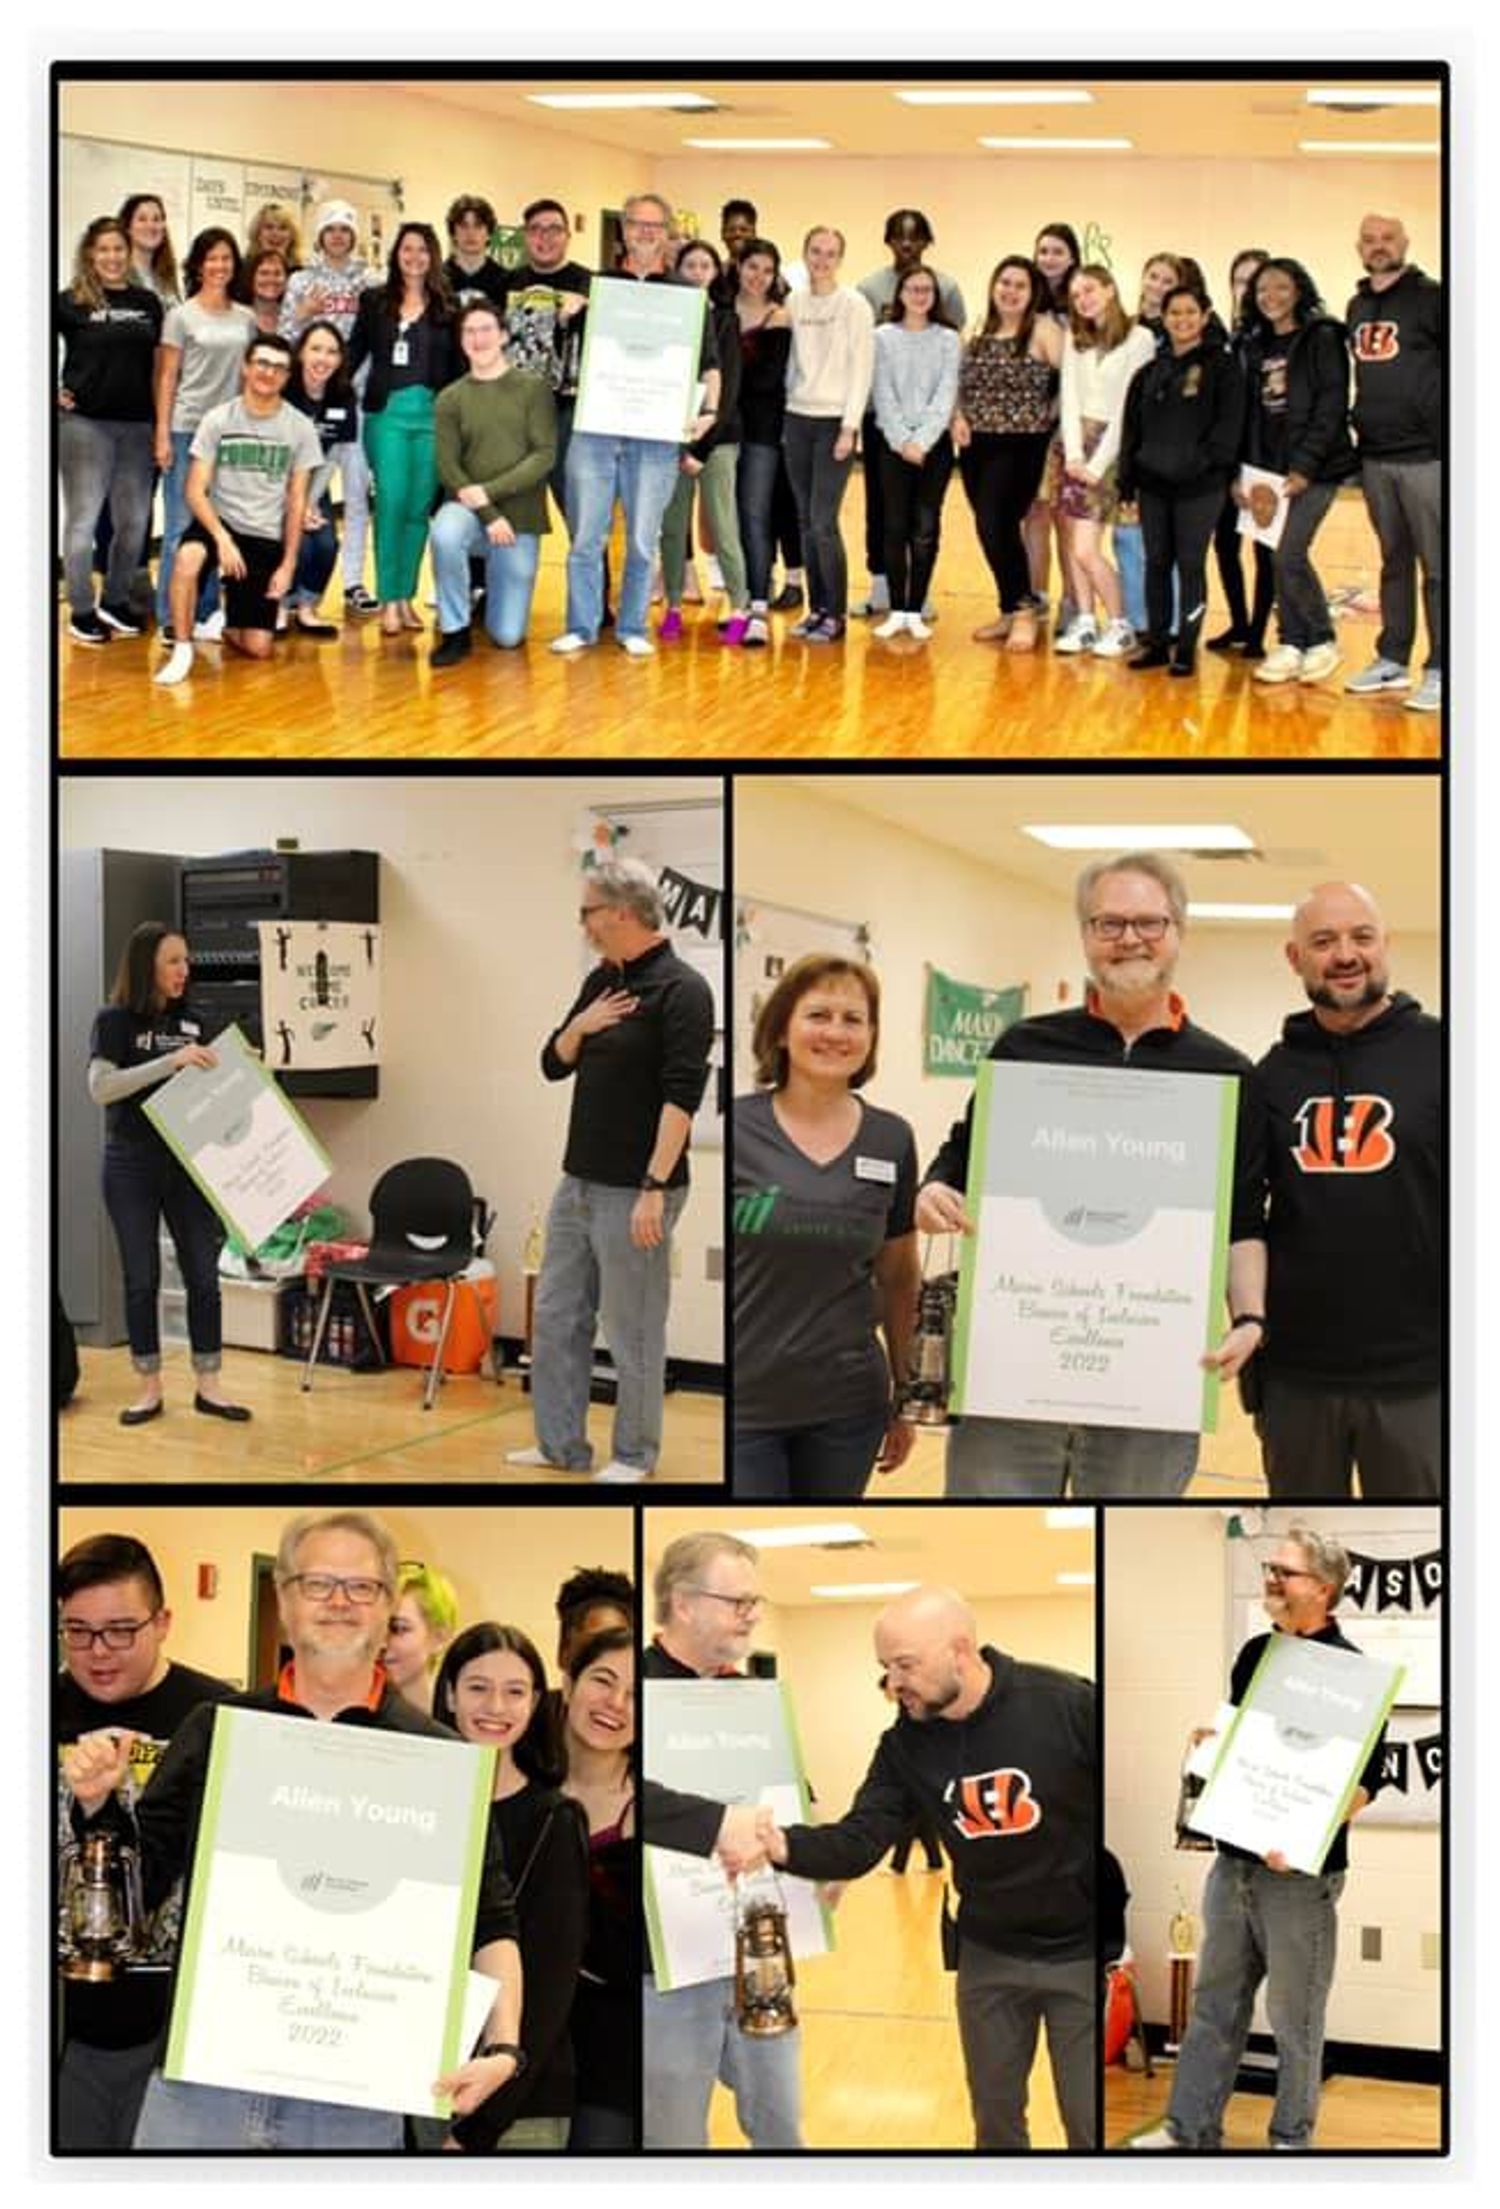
177	666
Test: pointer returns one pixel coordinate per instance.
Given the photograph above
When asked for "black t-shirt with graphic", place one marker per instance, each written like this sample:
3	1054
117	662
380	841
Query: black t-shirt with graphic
109	353
130	1039
1270	397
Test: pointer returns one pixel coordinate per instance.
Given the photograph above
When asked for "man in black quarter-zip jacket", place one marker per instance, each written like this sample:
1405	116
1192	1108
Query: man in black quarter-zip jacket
1351	1367
1132	911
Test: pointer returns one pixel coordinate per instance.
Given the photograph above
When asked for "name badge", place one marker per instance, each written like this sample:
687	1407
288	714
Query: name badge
874	1169
400	353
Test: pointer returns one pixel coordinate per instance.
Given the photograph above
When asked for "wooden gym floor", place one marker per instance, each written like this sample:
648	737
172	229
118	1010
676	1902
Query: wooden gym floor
1354	2112
349	1428
363	697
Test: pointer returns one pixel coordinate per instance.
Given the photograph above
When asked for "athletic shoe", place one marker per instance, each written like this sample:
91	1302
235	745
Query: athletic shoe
210	631
670	628
360	601
787	600
878	600
757	630
1320	662
637	648
1284	665
1079	636
572	642
87	628
802	630
894	625
735	629
123	620
1160	2136
1378	676
622	1475
918	625
534	1459
830	630
176	667
1117	640
454	645
1428	695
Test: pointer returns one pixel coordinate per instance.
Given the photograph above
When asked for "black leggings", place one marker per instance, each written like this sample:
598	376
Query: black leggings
1002	475
1244	620
912	503
1176	533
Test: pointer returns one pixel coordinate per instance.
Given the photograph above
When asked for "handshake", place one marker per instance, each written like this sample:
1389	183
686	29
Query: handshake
748	1838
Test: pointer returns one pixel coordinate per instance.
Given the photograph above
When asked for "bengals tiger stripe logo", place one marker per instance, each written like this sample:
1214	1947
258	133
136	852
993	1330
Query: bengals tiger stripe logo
1363	1144
1377	341
989	1803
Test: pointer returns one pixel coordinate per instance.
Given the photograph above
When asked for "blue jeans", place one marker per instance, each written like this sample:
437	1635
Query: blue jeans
640	472
456	536
317	557
174	520
755	493
144	1185
691	2039
826	1463
1013	1458
106	468
179	2113
593	1274
1258	1924
1129	550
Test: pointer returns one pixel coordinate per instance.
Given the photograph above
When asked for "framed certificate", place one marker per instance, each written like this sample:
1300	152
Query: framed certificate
1287	1768
639	371
735	1741
249	1150
330	1920
1095	1280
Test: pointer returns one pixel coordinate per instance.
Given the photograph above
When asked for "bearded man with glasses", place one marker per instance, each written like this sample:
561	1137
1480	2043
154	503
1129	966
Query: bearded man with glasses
1132	911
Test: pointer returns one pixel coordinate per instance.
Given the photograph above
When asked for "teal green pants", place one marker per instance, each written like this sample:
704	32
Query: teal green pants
402	449
716	485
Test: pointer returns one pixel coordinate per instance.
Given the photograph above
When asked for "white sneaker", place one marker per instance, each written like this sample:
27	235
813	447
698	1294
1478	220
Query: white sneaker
210	631
570	643
1428	695
876	601
1117	640
176	667
917	625
1284	665
1320	662
638	648
622	1475
714	571
1160	2136
532	1457
1079	636
894	625
1378	676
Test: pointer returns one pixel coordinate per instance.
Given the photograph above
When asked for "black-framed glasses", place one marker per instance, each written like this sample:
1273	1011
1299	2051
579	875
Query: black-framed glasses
1150	927
743	1606
1285	1572
320	1587
119	1634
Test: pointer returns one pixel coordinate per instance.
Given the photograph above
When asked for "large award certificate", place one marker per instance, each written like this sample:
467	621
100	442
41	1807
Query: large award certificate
253	1156
736	1741
1288	1767
1095	1281
325	1953
639	372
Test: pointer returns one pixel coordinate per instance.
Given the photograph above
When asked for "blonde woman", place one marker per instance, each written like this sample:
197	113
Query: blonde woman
1102	350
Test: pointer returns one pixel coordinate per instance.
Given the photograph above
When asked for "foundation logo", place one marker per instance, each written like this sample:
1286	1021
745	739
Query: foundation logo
752	1212
1377	341
1361	1144
991	1803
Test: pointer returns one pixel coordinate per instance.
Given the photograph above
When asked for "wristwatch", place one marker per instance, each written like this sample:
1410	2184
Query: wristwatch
650	1184
1249	1319
506	2048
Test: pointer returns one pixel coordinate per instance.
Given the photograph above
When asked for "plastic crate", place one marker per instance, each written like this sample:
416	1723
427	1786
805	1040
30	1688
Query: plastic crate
346	1340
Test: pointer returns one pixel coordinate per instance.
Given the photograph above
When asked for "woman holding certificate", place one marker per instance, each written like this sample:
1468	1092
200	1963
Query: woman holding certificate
825	1254
492	1689
141	1038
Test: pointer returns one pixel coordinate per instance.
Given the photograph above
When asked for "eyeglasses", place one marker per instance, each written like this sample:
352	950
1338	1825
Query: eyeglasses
1284	1572
546	230
119	1635
585	910
1150	927
279	367
320	1587
743	1606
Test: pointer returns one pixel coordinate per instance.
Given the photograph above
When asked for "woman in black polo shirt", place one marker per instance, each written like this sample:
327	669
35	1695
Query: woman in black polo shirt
824	1247
143	1036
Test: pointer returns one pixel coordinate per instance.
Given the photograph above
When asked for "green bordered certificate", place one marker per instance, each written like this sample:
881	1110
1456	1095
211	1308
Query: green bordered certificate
639	373
330	1920
736	1742
1288	1767
250	1152
1095	1281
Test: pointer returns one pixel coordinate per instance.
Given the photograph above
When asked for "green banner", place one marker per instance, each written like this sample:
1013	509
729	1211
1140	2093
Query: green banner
963	1020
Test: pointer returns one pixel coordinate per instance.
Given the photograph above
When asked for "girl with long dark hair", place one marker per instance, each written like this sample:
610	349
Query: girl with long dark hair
1002	426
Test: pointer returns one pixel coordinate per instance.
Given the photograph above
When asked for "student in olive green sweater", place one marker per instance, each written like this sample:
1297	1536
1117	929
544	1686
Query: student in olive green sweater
496	442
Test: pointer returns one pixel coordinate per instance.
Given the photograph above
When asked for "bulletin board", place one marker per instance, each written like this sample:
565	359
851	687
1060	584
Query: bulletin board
767	938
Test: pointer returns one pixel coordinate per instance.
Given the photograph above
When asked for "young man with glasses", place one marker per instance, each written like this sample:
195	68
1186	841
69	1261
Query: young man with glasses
247	494
1261	1920
1132	912
336	1574
543	303
113	1624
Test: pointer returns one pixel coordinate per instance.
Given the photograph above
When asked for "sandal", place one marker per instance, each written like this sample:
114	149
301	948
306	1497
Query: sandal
994	632
1023	632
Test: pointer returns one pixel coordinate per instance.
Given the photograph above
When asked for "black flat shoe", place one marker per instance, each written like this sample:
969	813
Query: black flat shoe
238	1412
313	629
1151	655
1227	640
137	1414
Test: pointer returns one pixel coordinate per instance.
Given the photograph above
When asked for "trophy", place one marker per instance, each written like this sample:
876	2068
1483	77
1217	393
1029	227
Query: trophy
924	1400
764	1973
1182	1937
103	1913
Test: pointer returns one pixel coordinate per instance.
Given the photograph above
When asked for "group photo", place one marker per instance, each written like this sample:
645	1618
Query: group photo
940	438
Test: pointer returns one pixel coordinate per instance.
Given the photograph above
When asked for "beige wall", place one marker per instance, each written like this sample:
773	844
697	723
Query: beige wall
505	1565
925	902
482	958
1167	1636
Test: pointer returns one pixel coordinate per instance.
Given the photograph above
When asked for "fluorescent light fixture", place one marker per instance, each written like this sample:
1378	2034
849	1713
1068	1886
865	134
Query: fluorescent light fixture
1059	145
1074	1579
864	1591
614	102
1017	96
761	145
803	1537
1061	1518
1374	95
1139	836
1427	146
1210	911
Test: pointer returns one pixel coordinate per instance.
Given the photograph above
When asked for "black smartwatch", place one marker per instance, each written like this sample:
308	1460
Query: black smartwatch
1249	1319
506	2048
650	1184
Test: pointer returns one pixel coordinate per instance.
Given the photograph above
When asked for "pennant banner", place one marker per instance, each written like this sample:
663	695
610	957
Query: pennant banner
695	907
1397	1583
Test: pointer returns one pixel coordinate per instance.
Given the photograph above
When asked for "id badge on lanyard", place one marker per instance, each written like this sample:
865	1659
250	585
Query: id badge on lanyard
401	350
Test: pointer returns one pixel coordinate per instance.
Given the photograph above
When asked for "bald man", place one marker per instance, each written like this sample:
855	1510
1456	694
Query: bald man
1002	1757
1352	1362
1396	335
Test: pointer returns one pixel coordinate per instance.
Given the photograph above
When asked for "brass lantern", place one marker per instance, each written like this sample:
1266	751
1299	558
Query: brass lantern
103	1914
764	1973
929	1380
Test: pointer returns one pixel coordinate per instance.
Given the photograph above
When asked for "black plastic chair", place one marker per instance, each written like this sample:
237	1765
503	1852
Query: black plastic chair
422	1215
